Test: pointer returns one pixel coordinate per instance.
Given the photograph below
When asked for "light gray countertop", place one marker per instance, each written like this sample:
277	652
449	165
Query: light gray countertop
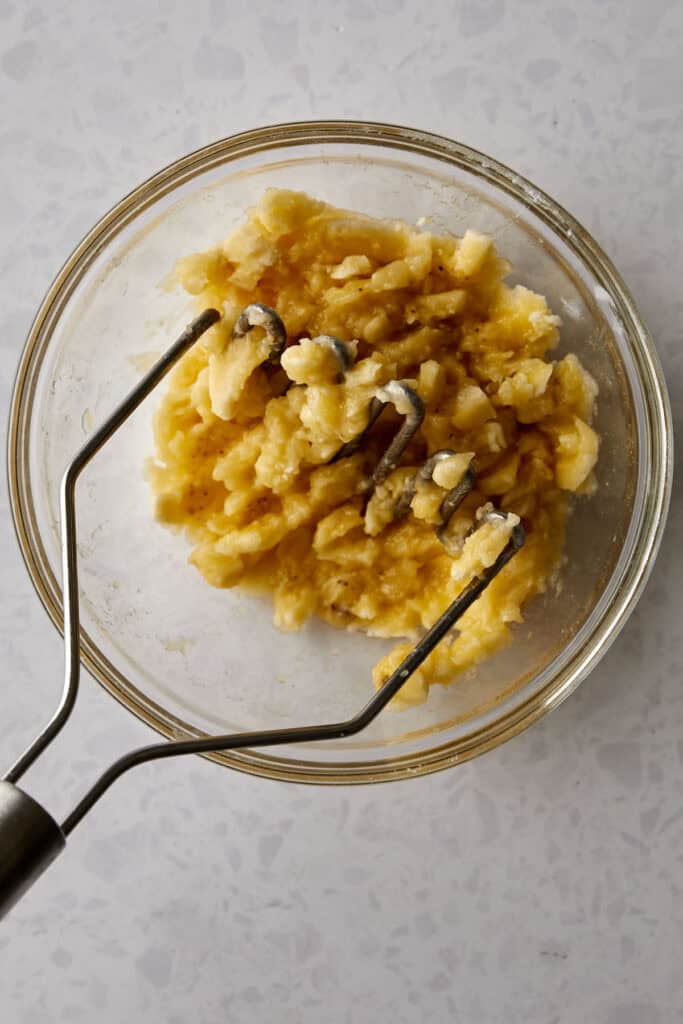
539	884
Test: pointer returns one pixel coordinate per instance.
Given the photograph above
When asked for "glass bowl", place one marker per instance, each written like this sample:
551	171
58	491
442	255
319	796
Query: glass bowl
189	659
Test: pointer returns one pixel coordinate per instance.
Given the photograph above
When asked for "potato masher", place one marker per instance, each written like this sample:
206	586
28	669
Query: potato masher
30	838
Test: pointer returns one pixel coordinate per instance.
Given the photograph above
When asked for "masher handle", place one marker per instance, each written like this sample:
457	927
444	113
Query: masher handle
30	839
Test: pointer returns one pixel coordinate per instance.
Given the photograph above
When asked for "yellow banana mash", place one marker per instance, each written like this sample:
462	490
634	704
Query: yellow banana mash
243	447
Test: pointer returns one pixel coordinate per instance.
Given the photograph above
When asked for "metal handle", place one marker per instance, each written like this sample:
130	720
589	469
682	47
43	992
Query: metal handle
30	839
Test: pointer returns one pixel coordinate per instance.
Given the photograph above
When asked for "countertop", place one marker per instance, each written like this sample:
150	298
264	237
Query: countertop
541	883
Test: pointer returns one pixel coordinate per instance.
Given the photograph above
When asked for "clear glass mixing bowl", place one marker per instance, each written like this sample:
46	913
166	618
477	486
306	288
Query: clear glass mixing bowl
189	659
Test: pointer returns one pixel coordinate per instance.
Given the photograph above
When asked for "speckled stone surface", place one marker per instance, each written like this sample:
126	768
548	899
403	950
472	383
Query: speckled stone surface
540	884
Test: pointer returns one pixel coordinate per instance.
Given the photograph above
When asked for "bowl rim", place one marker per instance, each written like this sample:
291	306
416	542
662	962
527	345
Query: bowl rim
659	434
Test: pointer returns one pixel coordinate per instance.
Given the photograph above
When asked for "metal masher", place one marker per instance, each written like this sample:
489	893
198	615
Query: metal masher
30	838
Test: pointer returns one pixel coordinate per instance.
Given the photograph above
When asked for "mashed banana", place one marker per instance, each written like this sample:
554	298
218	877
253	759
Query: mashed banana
243	457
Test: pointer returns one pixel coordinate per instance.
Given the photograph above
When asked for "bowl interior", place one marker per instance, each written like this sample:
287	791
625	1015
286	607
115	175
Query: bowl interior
190	658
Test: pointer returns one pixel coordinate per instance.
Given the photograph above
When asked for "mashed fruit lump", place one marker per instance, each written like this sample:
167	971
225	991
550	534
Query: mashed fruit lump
245	444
